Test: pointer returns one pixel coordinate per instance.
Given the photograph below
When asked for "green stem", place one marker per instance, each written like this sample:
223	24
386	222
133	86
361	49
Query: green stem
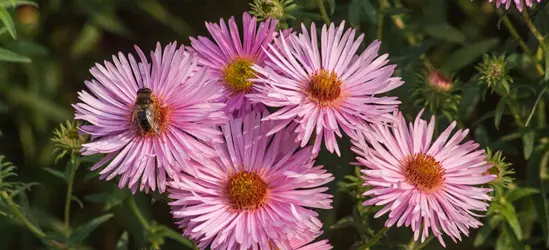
519	40
534	30
17	213
382	6
323	12
374	239
68	199
138	214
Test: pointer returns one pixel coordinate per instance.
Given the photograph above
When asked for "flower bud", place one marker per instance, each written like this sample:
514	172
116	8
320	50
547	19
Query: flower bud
67	139
437	92
494	74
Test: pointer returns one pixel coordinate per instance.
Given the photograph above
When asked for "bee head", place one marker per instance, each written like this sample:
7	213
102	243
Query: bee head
144	91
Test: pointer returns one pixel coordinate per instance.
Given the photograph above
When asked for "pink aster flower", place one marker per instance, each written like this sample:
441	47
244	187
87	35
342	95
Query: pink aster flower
325	88
305	243
427	185
231	57
518	3
149	118
256	194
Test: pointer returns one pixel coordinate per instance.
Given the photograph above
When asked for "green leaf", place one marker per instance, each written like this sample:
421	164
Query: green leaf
500	109
445	31
370	10
15	3
467	54
55	173
111	23
122	243
546	65
168	232
395	11
528	141
86	40
486	230
519	193
85	230
354	13
538	99
343	222
109	199
10	56
8	22
160	13
510	215
33	101
332	6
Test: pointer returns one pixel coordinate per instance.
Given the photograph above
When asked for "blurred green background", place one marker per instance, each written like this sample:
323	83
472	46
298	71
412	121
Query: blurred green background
57	41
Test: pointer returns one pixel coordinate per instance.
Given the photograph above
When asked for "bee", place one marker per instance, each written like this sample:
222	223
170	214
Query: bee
144	112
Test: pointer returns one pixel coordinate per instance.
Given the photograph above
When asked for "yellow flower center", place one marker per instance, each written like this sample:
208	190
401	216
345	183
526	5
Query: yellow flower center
324	87
237	75
246	190
424	172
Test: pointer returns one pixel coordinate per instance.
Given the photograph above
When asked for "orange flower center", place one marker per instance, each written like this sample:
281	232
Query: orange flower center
324	87
246	190
237	75
424	172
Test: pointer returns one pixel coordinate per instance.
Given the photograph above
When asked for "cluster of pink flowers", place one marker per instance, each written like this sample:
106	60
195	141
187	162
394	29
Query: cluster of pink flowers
198	122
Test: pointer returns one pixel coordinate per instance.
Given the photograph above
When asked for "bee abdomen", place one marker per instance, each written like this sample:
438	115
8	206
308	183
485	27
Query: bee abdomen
143	121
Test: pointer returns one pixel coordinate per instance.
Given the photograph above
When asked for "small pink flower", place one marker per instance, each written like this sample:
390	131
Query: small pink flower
256	194
518	3
427	185
325	85
179	96
230	57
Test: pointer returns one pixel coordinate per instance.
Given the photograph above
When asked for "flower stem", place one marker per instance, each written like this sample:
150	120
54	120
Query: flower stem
520	41
75	162
382	6
374	239
534	30
323	12
17	213
138	214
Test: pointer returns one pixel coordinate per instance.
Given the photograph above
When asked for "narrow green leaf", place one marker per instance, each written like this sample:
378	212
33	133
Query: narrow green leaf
528	141
10	56
500	109
510	215
535	106
371	12
168	232
343	222
519	193
395	11
33	101
445	31
109	199
160	13
486	230
110	22
83	231
15	3
55	173
86	40
546	64
468	54
332	6
26	186
8	22
122	243
78	201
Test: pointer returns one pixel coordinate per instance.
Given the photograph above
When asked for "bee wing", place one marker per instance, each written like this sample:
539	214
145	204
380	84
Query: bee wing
150	114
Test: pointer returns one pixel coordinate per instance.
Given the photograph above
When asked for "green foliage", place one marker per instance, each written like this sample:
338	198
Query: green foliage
47	48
